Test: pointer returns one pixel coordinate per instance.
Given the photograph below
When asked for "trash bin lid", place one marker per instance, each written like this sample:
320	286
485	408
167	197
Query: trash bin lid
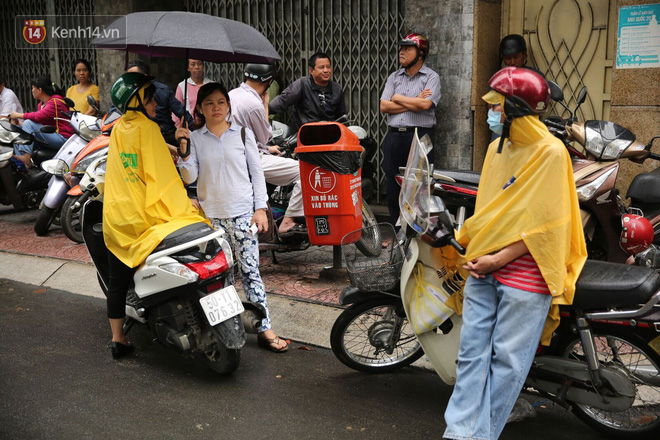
317	137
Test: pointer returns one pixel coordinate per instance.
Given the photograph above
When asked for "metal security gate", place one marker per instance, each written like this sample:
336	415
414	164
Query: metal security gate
360	36
20	66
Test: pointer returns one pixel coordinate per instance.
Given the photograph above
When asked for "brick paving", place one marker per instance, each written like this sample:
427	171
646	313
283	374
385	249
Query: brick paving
297	274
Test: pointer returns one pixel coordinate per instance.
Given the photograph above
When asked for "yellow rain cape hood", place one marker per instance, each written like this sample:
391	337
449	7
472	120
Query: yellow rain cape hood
527	193
144	199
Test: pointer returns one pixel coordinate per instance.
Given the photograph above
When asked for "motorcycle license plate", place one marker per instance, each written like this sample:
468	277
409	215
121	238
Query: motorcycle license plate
221	305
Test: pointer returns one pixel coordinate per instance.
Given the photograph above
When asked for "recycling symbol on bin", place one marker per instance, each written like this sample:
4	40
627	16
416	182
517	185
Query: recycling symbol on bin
322	181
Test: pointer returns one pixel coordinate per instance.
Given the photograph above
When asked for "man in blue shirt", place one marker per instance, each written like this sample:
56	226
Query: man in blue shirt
409	100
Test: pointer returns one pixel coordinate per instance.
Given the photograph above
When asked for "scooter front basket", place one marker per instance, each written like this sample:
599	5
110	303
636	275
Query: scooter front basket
379	268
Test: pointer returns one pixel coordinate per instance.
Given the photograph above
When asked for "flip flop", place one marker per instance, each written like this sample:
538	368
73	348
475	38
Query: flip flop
272	344
294	230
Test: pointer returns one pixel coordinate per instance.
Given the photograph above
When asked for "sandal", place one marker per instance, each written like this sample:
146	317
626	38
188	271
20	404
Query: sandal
272	344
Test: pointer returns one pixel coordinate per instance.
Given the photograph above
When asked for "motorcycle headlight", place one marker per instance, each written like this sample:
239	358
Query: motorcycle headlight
56	167
88	132
587	191
6	136
81	166
6	156
607	146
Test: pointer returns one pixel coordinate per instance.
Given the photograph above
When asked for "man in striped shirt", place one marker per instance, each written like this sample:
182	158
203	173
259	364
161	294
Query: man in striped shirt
409	100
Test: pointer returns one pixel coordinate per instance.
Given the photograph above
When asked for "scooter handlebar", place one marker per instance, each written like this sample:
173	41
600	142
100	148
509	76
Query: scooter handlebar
456	245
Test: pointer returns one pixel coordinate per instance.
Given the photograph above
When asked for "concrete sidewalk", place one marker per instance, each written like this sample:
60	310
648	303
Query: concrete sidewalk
303	305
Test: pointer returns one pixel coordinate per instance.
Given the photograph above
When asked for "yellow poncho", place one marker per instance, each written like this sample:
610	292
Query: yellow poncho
144	197
540	207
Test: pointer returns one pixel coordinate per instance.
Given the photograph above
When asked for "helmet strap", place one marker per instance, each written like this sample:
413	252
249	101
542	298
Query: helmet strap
140	106
419	54
505	132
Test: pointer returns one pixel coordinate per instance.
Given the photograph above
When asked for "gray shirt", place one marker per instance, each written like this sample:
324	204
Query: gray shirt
247	110
401	83
230	181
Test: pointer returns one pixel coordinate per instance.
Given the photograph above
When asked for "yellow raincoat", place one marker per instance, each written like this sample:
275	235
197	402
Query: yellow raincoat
144	199
540	207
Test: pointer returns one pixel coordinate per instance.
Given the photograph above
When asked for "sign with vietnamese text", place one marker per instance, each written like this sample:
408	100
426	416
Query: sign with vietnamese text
638	39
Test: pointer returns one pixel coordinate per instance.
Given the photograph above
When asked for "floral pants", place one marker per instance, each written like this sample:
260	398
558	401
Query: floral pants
246	252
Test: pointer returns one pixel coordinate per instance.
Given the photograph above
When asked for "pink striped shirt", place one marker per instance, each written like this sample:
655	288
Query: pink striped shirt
522	273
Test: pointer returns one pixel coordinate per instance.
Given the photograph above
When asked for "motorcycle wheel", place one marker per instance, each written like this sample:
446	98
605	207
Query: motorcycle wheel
359	335
71	220
223	360
369	245
45	219
632	356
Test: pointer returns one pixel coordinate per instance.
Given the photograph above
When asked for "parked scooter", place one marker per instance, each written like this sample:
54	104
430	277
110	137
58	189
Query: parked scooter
603	362
86	128
183	291
22	188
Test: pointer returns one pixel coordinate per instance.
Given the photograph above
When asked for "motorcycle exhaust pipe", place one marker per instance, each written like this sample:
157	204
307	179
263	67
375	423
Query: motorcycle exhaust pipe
251	321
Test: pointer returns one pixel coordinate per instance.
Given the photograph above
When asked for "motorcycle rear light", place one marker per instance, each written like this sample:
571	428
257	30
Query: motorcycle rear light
212	287
399	179
458	189
210	268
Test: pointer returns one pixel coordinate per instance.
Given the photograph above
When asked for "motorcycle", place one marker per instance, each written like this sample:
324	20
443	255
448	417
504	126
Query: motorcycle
286	139
603	362
183	291
85	129
22	188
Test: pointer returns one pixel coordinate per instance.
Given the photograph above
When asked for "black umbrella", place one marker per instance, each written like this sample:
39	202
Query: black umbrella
187	35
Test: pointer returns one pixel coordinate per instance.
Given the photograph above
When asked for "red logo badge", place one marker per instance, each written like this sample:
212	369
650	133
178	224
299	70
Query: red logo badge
34	31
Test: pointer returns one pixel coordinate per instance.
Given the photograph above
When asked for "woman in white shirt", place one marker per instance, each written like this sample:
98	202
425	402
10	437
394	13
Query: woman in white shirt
224	159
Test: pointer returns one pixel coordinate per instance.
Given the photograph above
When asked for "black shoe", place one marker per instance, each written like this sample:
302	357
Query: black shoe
118	349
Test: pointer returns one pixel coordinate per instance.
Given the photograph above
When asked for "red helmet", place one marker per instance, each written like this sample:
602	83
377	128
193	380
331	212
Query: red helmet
526	92
636	233
415	39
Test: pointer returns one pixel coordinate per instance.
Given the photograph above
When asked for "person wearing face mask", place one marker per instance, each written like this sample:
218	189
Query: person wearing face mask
143	201
524	251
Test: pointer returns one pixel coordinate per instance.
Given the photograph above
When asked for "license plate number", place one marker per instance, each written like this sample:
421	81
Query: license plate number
221	305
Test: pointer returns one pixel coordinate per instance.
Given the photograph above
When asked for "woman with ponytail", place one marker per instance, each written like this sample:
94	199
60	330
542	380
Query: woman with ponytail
49	112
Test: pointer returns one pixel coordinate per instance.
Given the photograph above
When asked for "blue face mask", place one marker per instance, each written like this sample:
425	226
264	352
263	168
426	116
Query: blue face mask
493	120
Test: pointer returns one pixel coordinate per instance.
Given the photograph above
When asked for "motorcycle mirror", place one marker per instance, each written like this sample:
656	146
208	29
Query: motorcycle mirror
69	103
582	96
556	92
93	103
47	129
650	144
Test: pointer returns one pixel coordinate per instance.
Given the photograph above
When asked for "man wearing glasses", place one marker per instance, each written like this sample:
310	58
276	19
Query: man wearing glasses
315	97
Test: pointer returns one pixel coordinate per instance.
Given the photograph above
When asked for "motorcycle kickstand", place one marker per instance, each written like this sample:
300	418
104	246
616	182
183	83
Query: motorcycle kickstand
128	325
274	257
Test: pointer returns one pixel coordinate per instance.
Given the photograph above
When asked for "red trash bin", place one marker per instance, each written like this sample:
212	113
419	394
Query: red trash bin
330	159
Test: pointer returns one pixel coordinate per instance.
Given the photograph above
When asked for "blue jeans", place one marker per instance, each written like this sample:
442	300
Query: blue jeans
501	330
52	141
246	252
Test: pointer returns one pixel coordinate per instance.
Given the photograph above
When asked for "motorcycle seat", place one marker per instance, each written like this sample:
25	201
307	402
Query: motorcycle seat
462	176
183	235
644	187
602	285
